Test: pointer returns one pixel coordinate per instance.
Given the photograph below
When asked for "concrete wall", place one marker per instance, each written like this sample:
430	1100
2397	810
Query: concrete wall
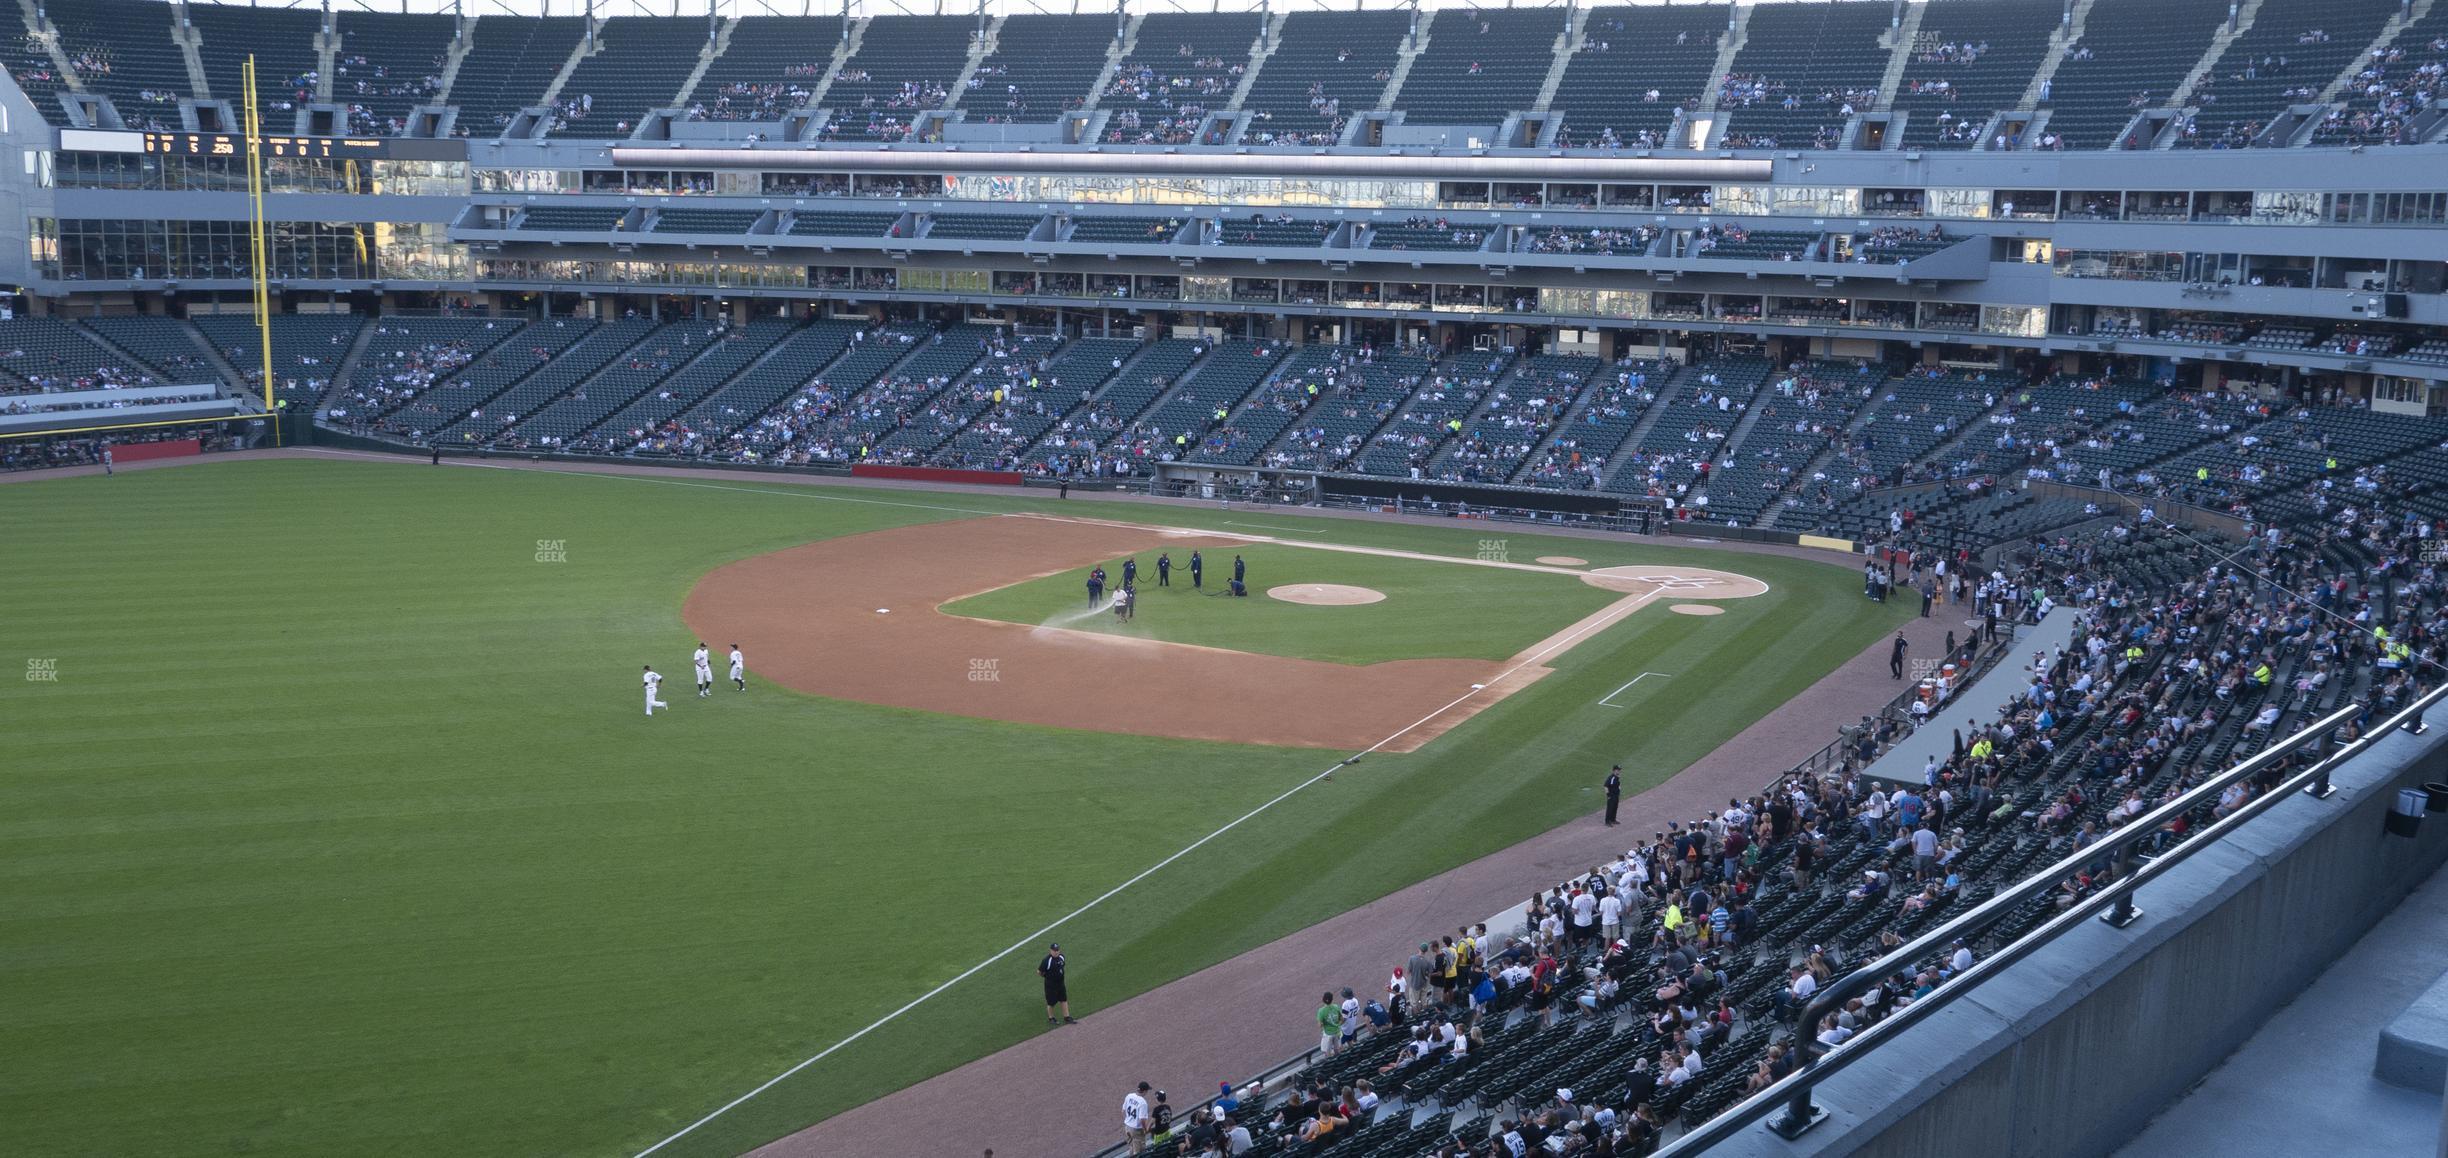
2070	1051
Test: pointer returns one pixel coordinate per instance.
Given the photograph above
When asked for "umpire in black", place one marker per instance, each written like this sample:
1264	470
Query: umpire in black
1057	997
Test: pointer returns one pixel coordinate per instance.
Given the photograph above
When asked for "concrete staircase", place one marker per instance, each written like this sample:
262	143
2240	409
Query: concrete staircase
842	52
1977	426
1568	45
1852	426
1734	439
187	38
979	49
2060	42
588	45
1902	37
1727	46
347	368
714	47
1621	460
2388	32
49	38
1412	47
327	52
1564	427
1268	38
2209	61
1120	51
461	45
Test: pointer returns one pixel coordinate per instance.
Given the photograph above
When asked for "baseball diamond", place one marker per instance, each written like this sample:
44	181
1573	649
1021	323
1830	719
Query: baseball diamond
1267	578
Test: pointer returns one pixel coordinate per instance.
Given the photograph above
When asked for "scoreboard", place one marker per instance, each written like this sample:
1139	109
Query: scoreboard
234	145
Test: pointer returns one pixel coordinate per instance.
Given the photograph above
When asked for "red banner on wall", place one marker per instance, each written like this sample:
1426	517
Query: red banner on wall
1007	478
168	448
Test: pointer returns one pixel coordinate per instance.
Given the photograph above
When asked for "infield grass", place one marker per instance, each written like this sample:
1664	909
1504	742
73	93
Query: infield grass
340	830
1431	609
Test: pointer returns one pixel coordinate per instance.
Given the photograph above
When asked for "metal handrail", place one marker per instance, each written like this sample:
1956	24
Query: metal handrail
2113	903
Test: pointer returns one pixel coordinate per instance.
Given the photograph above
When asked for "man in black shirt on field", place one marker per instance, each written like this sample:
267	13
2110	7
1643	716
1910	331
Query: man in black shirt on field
1056	995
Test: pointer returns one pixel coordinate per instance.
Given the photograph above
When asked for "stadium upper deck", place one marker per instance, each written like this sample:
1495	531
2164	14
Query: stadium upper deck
1948	74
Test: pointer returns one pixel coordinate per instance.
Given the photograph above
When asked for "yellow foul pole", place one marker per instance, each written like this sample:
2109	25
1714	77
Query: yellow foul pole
255	237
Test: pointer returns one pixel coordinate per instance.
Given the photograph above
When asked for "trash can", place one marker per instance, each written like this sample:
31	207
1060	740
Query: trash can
2405	818
2438	793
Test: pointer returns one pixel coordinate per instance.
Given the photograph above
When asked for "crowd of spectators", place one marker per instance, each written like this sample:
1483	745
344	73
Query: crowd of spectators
1667	982
1605	242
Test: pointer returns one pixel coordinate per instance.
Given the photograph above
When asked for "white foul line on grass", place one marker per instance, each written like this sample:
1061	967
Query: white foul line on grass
1627	685
1562	641
1613	614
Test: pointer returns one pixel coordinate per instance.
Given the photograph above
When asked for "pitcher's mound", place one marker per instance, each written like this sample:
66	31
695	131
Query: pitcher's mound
1325	594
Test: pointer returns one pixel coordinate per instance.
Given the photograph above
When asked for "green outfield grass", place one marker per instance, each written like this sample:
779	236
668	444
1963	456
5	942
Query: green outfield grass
1431	609
339	830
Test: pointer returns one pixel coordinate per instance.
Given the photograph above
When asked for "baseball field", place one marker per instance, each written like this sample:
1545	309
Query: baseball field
335	824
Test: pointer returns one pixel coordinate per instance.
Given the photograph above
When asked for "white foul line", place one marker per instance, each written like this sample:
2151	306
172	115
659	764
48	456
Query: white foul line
1628	683
1564	640
1613	614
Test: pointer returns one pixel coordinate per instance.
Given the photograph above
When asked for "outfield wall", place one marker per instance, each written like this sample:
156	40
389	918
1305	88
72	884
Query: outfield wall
2072	1050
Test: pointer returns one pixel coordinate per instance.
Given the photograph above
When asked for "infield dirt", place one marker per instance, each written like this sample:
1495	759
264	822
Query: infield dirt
860	618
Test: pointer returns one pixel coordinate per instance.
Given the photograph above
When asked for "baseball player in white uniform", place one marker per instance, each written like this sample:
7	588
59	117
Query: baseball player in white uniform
739	669
705	671
654	683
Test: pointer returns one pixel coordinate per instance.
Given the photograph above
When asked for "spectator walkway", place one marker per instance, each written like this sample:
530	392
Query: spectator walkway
1976	706
1054	1094
2303	1083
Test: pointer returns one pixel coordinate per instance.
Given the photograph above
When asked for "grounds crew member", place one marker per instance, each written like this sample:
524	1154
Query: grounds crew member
1614	791
1057	993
